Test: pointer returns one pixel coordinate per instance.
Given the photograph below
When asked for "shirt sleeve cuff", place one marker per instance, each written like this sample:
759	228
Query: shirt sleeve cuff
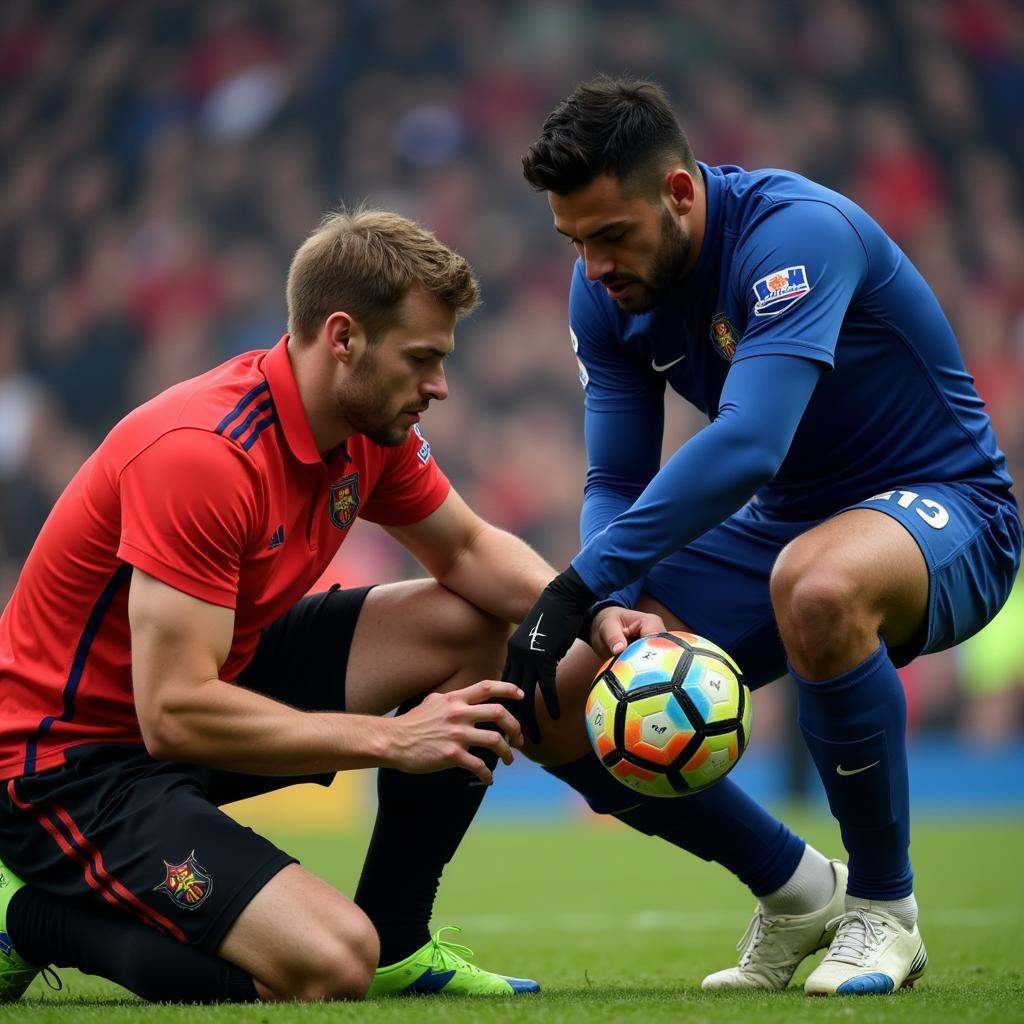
203	590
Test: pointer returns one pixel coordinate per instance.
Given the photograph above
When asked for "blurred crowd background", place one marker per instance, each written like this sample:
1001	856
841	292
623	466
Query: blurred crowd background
161	161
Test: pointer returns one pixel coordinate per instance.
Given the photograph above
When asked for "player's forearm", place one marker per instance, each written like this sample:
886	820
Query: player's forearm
225	726
600	506
680	504
499	573
711	476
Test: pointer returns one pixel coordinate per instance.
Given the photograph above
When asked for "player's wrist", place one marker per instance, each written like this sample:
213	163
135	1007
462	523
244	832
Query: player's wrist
383	740
570	587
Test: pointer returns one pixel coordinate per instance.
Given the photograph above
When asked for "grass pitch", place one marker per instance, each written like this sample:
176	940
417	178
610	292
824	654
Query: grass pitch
619	927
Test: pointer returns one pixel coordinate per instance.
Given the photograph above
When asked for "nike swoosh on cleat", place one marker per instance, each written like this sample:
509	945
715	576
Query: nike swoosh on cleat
429	981
665	366
840	770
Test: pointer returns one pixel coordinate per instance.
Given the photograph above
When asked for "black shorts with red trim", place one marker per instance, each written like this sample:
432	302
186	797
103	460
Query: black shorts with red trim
148	837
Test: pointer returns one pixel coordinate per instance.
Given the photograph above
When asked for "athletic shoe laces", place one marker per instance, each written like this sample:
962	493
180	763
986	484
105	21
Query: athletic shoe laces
762	942
16	976
52	979
858	934
751	937
450	955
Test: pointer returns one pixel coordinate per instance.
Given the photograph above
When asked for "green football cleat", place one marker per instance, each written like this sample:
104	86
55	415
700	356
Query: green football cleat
444	967
15	974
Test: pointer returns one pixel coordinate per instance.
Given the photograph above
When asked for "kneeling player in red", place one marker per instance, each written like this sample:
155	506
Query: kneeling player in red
159	658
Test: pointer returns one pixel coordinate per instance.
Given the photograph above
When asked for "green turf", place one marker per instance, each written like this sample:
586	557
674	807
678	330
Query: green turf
618	927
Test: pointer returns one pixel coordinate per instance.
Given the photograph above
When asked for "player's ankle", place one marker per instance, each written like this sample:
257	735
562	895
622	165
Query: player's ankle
808	889
904	910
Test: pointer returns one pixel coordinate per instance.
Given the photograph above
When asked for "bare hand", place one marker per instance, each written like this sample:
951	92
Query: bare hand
614	627
438	733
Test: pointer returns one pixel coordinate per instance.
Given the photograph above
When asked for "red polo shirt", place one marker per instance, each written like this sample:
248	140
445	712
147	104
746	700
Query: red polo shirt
214	487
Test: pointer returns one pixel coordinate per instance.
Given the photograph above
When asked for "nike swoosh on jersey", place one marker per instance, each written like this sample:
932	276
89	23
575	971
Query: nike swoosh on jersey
840	770
665	366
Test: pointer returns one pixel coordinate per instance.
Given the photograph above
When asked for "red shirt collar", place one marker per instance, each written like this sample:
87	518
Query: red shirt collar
277	368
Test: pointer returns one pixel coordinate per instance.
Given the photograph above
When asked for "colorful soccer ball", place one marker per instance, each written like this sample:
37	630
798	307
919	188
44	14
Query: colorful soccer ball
670	714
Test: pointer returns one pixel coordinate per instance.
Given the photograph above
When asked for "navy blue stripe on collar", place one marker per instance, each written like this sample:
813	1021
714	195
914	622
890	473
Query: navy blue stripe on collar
261	425
242	403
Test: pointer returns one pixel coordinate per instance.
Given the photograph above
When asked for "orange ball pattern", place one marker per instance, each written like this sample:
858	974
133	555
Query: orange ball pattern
670	715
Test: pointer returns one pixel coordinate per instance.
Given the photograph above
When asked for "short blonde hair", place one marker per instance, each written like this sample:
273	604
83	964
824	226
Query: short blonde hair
364	263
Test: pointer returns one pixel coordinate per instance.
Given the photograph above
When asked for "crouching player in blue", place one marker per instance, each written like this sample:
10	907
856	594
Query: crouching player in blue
845	510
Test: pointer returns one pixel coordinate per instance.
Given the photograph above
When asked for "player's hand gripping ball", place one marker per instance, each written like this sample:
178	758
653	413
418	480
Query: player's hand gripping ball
669	715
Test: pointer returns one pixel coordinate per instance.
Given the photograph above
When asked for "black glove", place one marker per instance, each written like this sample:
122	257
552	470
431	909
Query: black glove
540	643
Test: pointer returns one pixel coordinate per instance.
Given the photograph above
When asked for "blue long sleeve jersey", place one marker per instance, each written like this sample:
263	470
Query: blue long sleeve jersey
818	352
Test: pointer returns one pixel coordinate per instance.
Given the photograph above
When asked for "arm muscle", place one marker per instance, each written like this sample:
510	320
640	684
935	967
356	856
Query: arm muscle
187	713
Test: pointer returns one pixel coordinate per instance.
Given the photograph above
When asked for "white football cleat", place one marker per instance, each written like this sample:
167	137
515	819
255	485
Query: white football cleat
774	945
872	954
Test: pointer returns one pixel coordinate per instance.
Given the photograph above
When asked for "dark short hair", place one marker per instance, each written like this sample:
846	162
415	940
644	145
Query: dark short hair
619	126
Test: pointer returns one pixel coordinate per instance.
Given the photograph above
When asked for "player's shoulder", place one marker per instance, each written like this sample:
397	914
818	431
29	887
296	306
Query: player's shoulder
781	202
766	186
775	215
231	401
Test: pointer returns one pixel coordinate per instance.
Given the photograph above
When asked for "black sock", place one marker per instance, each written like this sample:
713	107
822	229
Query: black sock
421	820
45	929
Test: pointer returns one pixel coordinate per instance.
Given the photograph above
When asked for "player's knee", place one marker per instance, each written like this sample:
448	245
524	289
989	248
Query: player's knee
355	958
817	604
815	599
340	965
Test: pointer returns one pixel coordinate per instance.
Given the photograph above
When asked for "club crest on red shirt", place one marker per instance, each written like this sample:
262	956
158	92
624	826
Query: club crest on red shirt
344	500
187	884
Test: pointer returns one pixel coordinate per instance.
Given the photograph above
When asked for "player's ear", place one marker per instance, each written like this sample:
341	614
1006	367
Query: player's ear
345	338
681	190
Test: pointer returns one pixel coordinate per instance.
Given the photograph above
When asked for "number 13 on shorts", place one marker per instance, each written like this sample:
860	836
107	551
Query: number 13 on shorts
934	514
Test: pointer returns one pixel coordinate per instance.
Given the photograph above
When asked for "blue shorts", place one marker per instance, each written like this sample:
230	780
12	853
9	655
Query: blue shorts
970	539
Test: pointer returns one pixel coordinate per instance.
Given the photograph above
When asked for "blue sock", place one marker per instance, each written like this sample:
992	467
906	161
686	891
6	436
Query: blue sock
855	726
720	824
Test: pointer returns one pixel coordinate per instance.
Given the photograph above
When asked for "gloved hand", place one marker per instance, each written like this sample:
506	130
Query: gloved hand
540	643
